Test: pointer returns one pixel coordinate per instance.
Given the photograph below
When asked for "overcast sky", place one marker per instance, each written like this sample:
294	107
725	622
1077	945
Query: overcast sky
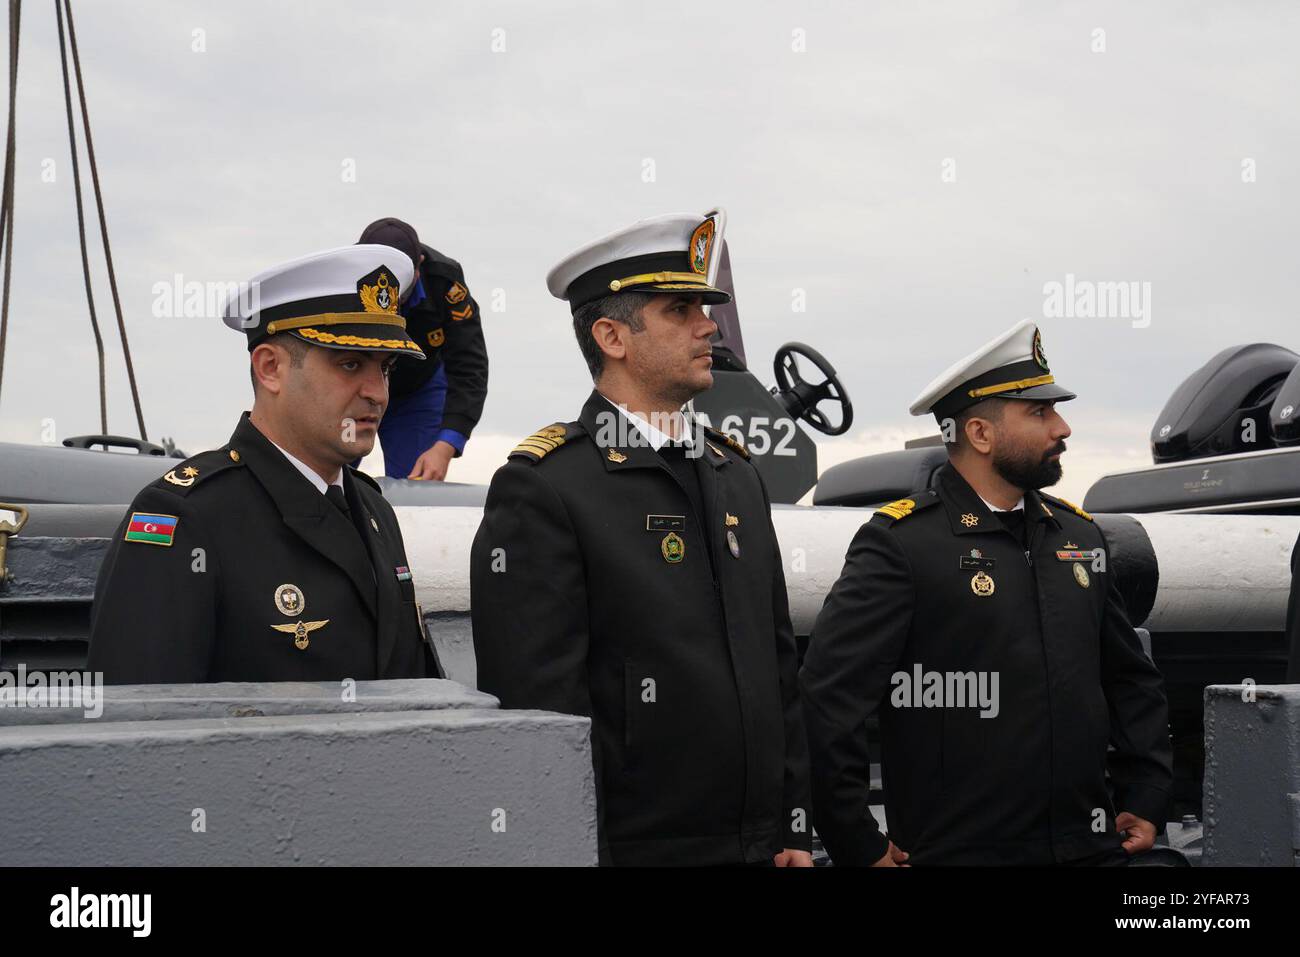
920	172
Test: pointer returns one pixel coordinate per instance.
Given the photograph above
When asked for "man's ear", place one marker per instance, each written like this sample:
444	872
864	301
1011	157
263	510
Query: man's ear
608	336
979	434
270	365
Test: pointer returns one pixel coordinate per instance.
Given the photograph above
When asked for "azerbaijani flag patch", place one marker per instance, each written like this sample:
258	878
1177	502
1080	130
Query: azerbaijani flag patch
151	528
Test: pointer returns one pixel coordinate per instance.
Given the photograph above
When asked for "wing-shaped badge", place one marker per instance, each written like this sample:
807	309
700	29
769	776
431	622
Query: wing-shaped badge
300	631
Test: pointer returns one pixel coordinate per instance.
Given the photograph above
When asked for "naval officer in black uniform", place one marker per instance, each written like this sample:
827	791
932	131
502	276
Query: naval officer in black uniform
978	619
626	568
269	559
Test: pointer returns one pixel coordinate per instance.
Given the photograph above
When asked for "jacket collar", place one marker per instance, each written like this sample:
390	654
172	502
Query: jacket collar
304	509
967	513
621	446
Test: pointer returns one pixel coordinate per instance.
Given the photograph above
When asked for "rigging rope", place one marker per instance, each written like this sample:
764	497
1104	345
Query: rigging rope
103	222
7	203
63	8
81	226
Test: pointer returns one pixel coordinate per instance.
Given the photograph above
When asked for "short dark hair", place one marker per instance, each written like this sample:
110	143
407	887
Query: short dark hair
296	348
624	307
991	409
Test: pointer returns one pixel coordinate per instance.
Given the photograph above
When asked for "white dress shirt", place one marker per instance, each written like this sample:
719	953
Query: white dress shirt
993	508
308	472
653	436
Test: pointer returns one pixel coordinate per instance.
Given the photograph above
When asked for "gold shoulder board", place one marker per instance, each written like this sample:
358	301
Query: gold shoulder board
724	437
1074	508
898	510
540	443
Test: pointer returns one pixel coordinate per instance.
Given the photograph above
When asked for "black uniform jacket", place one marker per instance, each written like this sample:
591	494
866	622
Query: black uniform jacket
1028	785
448	327
257	550
597	590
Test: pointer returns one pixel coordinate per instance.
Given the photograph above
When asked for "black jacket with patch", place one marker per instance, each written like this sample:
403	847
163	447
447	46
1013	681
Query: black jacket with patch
597	590
448	327
204	606
1029	785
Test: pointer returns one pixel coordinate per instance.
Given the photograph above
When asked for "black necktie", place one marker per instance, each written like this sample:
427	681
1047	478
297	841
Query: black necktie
335	494
1014	522
677	456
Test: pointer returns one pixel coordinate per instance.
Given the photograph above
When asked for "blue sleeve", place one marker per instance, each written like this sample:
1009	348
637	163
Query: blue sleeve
452	438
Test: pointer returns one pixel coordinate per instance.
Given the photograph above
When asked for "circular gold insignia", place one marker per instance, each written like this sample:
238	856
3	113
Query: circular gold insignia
673	548
289	600
969	520
1081	575
982	585
1039	355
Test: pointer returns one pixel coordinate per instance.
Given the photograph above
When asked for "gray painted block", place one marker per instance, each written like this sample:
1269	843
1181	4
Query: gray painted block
1252	766
259	699
401	787
453	637
399	772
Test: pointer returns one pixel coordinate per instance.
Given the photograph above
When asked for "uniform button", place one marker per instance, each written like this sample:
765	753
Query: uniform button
234	456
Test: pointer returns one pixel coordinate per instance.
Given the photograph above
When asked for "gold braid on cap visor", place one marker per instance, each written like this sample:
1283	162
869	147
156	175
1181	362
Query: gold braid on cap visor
362	341
695	279
336	319
1011	386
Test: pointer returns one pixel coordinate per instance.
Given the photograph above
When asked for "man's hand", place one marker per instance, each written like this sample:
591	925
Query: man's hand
792	858
432	464
893	858
1140	834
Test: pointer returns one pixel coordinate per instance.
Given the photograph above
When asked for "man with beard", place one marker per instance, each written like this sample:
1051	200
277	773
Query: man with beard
269	559
984	611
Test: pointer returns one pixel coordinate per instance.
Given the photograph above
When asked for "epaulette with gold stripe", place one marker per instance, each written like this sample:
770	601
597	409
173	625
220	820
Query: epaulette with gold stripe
1070	505
901	508
542	442
724	437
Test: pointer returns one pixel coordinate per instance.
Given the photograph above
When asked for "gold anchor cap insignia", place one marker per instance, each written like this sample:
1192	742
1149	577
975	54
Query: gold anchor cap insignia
381	297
